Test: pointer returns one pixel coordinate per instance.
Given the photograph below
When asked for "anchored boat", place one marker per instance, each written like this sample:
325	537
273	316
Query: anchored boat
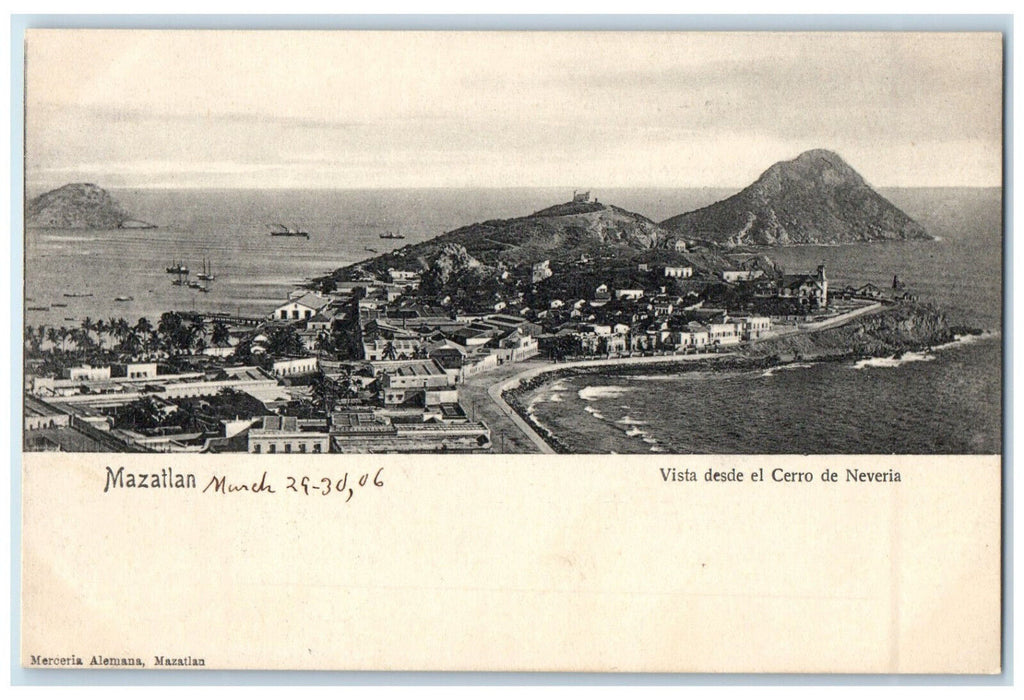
207	273
290	231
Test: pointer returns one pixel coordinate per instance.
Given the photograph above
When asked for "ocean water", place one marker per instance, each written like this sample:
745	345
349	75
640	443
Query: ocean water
254	270
943	402
949	402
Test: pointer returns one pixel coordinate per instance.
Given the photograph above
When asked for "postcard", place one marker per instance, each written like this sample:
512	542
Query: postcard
513	351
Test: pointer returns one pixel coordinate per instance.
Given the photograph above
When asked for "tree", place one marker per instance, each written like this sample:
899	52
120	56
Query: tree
283	341
221	334
324	343
325	393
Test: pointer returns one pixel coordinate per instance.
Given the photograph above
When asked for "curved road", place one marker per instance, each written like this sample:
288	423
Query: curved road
481	394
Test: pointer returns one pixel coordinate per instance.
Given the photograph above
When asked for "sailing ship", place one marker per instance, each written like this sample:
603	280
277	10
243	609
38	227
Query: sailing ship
177	268
390	235
291	231
207	273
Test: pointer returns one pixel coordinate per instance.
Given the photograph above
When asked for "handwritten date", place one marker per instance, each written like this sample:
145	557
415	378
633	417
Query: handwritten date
342	487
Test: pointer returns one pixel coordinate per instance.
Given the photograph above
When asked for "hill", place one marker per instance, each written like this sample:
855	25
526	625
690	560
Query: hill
79	206
816	198
562	233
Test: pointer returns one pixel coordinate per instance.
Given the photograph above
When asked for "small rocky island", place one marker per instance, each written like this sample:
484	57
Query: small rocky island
79	205
814	199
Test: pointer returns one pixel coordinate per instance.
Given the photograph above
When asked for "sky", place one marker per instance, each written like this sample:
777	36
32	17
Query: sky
175	109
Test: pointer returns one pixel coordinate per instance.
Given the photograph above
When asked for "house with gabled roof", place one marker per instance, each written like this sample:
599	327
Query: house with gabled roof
300	308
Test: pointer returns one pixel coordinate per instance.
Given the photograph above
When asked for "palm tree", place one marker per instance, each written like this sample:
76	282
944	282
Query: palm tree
100	327
325	393
131	342
323	343
221	334
200	325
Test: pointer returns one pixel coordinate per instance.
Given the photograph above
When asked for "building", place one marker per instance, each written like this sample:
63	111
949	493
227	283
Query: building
295	367
629	294
284	435
755	327
725	333
516	347
404	277
86	373
136	370
813	288
540	271
869	291
741	275
580	197
40	415
303	307
379	348
678	272
407	381
321	321
694	337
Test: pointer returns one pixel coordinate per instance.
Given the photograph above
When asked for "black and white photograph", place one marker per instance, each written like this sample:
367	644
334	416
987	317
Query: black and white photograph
513	242
467	344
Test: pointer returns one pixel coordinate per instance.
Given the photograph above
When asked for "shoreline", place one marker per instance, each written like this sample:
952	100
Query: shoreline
509	392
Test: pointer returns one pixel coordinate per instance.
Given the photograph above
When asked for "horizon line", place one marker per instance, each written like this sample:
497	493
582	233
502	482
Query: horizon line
339	188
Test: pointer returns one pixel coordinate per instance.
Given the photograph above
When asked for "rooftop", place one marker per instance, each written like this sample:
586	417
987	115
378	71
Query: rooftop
408	368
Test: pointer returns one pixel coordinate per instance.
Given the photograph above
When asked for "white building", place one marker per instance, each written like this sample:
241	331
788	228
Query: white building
304	307
282	435
755	327
725	333
741	275
295	367
87	373
678	272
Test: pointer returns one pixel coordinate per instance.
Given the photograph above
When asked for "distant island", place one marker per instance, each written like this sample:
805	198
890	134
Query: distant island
80	205
814	199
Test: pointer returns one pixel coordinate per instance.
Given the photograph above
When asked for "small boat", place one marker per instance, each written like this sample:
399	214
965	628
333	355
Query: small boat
178	282
60	305
76	295
207	273
391	236
289	231
177	268
203	289
193	284
124	298
372	250
38	308
70	319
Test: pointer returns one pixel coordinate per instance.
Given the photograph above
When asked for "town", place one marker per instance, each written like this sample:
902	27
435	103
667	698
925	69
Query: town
374	361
